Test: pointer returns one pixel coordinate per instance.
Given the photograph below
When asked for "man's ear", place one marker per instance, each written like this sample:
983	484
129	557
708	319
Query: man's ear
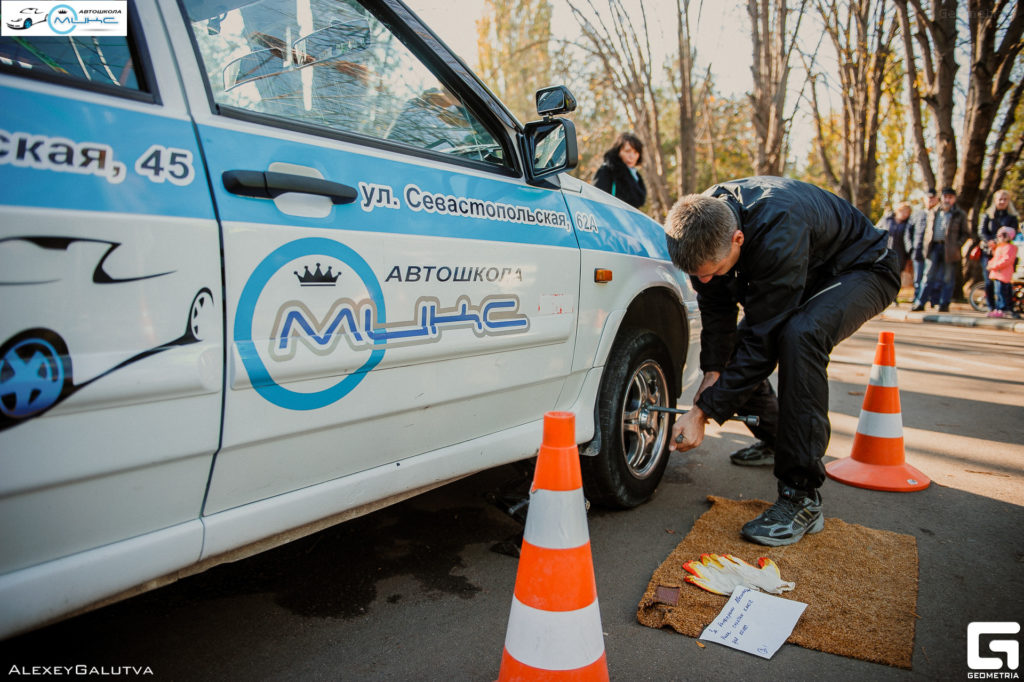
737	237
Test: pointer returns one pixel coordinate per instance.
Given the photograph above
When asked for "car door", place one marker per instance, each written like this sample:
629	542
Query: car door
393	284
111	324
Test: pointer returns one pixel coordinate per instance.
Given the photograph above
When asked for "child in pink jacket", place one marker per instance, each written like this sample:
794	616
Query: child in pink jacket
1000	271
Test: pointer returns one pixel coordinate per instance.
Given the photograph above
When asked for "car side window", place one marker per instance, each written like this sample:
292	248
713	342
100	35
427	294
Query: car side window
332	63
93	60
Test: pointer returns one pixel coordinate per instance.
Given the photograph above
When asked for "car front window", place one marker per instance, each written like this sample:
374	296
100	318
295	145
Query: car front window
331	63
100	60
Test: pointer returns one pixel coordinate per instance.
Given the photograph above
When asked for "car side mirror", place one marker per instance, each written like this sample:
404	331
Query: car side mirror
555	100
550	147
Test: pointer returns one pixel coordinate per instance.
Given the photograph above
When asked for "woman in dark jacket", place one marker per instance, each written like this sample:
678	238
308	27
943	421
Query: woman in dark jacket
1001	213
618	174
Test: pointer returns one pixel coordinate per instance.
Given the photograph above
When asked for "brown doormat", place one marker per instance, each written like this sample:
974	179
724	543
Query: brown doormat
859	584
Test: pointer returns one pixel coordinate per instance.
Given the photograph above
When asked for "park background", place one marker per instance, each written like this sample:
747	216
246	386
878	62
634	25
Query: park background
875	100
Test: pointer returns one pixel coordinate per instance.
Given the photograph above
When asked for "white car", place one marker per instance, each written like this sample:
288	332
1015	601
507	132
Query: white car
271	265
25	18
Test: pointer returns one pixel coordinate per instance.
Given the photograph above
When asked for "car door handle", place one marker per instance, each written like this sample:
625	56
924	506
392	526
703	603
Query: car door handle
270	184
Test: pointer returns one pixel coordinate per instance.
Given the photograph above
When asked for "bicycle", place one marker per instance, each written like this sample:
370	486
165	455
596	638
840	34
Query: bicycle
978	302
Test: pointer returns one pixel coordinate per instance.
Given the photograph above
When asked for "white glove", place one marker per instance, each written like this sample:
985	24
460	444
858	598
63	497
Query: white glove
722	573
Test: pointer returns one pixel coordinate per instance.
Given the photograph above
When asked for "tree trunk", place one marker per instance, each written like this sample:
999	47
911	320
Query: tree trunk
936	41
862	40
772	47
991	68
1000	158
924	161
686	152
624	53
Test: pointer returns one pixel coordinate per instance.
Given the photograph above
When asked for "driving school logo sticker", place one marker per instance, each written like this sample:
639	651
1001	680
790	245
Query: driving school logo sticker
31	18
331	329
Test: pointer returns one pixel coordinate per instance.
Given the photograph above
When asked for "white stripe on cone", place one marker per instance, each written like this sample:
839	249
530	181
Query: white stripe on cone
554	640
883	375
880	424
557	519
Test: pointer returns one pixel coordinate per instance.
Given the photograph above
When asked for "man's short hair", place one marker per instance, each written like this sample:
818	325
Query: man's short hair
948	190
698	230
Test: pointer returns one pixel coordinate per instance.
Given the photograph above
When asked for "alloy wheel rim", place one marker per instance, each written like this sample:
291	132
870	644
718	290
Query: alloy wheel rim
643	432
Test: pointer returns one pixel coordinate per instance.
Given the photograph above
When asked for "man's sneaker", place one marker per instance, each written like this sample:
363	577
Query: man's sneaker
786	521
755	455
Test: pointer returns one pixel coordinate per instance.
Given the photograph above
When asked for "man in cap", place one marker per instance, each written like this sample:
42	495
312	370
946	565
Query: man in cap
944	234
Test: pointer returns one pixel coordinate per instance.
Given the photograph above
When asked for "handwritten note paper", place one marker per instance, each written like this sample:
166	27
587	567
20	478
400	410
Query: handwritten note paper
754	622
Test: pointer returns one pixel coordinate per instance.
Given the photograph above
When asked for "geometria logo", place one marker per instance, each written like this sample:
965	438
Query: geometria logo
996	667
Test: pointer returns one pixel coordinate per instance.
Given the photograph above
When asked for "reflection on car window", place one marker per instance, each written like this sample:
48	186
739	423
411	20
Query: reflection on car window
331	63
94	59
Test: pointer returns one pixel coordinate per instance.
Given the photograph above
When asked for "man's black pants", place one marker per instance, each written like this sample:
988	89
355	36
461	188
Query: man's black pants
796	422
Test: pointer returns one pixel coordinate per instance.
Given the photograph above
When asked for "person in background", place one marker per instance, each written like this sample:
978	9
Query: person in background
1000	270
1001	213
915	229
618	174
896	225
944	235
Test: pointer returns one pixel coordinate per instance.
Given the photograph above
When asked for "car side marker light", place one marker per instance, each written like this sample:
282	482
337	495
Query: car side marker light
602	275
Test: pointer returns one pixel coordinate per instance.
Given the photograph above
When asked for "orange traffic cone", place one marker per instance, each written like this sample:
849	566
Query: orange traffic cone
877	461
554	627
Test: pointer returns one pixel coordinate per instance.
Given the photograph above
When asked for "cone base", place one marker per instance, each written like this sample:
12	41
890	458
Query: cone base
894	478
513	670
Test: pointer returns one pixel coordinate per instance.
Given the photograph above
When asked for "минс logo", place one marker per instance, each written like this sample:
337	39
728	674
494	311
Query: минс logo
999	668
28	18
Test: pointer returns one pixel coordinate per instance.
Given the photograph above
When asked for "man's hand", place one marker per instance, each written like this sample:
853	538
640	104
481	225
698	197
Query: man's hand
688	431
690	426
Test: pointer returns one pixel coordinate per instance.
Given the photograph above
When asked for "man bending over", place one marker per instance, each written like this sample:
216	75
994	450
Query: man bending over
809	269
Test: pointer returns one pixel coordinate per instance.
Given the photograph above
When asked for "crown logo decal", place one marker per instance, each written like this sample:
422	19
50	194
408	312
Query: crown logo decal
319	278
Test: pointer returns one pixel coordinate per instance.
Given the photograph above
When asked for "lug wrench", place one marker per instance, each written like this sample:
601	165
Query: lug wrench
750	420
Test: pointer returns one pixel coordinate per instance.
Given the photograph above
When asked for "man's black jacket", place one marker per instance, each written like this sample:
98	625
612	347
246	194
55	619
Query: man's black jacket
797	237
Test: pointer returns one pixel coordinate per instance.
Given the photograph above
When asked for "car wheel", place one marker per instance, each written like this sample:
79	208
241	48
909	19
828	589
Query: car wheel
35	371
28	23
977	297
634	440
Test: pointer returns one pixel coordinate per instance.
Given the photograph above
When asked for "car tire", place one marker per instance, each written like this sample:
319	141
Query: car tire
634	441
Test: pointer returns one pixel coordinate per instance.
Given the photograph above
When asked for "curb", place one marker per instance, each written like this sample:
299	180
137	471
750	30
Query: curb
1010	325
